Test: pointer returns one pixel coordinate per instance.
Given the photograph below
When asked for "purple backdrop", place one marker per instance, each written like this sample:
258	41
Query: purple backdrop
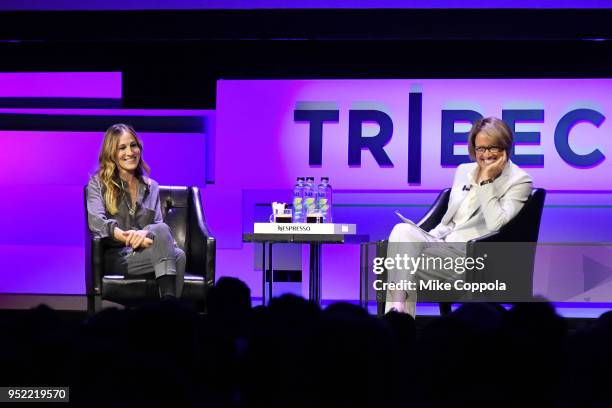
265	148
252	158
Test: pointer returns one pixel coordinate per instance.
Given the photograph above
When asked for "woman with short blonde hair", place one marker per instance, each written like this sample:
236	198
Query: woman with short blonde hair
485	195
496	129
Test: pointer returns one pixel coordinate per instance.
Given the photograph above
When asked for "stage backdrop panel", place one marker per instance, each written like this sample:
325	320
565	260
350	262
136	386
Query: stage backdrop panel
60	84
60	89
394	144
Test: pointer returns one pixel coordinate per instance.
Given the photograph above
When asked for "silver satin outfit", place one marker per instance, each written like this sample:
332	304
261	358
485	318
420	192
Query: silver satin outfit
161	258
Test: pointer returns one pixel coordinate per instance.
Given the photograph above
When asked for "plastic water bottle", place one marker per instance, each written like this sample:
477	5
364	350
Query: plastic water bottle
324	199
298	200
310	195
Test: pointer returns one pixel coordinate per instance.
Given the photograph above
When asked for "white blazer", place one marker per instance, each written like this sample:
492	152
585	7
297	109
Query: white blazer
496	204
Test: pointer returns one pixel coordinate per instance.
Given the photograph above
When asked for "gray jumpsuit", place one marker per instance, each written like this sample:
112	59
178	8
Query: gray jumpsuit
161	258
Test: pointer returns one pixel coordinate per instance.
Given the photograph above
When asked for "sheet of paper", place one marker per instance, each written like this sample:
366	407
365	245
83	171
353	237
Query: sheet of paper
406	220
409	221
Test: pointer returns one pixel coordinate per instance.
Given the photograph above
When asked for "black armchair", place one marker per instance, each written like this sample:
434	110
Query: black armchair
182	212
523	228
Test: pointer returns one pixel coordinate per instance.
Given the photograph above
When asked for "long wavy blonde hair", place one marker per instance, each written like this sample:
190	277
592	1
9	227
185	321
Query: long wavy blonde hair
108	170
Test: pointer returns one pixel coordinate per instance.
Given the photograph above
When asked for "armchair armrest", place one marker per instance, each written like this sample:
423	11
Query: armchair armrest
494	236
506	234
211	260
490	237
94	265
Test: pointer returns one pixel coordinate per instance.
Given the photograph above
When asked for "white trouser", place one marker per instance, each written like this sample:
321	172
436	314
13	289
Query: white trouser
410	240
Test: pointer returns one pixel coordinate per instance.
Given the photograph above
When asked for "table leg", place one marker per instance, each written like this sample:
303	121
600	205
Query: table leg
263	274
315	273
271	271
318	266
363	275
311	274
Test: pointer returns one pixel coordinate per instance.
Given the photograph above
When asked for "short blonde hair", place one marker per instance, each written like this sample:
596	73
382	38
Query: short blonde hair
496	129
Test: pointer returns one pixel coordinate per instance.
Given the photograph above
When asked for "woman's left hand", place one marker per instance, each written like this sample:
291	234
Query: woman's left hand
494	169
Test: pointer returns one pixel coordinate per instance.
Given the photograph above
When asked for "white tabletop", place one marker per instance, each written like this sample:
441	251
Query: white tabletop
304	228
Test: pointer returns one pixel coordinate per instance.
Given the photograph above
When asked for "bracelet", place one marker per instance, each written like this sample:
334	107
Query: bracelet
483	182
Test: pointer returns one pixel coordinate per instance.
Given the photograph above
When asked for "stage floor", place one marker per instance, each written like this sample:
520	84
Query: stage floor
78	303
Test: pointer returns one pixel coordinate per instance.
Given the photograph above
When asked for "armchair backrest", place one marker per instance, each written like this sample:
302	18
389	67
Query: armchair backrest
515	267
175	204
525	227
182	211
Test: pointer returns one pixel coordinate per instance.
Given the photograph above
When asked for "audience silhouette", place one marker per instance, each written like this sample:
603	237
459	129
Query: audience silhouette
293	353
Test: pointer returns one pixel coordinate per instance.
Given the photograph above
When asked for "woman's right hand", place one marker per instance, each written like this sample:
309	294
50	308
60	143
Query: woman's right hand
147	243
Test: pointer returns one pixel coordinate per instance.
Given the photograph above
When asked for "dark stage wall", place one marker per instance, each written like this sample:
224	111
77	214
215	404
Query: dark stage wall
181	74
171	59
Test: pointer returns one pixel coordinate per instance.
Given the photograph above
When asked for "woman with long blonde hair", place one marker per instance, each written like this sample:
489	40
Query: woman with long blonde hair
123	208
